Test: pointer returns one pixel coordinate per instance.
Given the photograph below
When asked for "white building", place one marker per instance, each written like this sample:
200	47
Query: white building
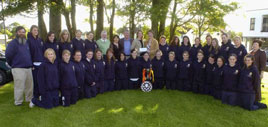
257	27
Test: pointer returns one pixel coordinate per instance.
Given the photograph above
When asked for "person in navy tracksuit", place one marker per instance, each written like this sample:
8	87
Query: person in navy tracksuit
90	43
68	82
185	46
90	83
36	50
109	79
174	46
164	47
231	73
249	81
79	43
171	71
210	68
185	73
99	75
145	61
218	78
226	46
158	64
240	50
207	47
48	80
79	73
121	74
134	70
65	43
195	48
214	48
199	73
52	43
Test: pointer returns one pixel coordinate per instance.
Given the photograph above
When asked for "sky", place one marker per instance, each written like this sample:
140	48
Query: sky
236	20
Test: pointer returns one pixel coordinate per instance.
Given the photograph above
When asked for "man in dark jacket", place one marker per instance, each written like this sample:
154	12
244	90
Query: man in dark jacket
126	43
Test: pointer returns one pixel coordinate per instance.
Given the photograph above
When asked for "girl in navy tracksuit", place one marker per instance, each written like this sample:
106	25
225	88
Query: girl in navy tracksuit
214	48
210	68
90	83
134	70
249	82
199	73
121	74
99	75
195	48
48	80
185	73
65	42
109	71
218	78
79	73
79	43
90	43
51	43
174	46
158	64
171	71
185	46
68	83
208	45
231	73
164	47
240	50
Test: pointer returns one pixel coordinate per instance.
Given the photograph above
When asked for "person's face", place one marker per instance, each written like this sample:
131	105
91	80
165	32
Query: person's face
150	35
134	54
104	35
211	60
65	36
78	34
89	55
176	41
171	57
21	33
51	37
34	31
232	60
248	62
197	41
185	41
50	56
90	36
163	41
224	38
237	42
185	56
140	34
66	57
219	62
214	43
122	57
158	55
98	55
146	56
200	56
116	39
255	46
78	56
208	40
126	34
110	54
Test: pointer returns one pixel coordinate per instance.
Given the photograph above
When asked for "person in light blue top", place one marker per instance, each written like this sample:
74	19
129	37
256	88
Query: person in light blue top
126	43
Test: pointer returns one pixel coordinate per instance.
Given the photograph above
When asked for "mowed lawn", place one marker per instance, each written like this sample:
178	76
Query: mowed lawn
133	108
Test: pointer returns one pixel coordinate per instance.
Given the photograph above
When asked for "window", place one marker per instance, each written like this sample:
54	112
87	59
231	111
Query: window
265	23
252	23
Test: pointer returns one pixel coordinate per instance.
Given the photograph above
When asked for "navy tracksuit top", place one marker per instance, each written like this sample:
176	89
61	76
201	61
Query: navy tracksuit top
231	77
134	68
165	50
89	71
36	48
199	71
80	73
53	45
249	81
218	77
241	52
193	52
67	75
185	68
121	70
109	70
80	46
99	75
171	70
158	68
90	45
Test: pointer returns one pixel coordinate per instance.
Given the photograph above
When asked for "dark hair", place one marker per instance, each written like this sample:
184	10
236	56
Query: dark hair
209	36
90	33
211	56
89	50
19	28
97	50
251	57
138	33
185	52
49	34
173	43
232	54
150	31
189	43
222	58
142	54
32	27
133	50
225	34
258	41
116	36
121	54
107	58
200	51
76	51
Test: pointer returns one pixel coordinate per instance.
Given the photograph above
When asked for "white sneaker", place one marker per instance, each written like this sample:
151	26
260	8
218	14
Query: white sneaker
31	105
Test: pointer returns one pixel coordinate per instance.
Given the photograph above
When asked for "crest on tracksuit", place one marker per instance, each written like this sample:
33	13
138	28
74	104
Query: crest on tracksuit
57	46
213	69
188	65
71	45
42	43
167	48
103	63
227	48
73	68
176	66
96	46
204	66
236	72
126	65
250	74
84	45
163	64
94	66
150	65
240	53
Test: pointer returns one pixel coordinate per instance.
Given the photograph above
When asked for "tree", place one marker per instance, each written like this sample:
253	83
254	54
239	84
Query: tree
100	18
41	22
55	16
69	10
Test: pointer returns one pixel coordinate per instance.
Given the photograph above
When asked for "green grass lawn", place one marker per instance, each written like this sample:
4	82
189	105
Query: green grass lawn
133	108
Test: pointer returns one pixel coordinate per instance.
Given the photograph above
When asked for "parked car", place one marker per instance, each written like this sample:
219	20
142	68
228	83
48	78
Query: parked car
5	71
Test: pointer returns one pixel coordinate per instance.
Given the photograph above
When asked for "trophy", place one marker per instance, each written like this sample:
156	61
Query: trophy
147	79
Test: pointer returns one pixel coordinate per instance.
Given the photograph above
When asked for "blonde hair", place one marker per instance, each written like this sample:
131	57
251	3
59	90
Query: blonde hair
61	36
237	38
158	50
66	52
217	48
171	53
50	50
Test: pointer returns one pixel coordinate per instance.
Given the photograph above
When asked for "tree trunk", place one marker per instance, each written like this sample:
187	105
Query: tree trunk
91	12
132	19
66	14
112	21
154	17
73	11
173	16
41	22
100	16
55	17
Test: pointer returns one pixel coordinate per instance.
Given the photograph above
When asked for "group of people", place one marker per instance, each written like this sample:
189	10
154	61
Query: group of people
60	72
